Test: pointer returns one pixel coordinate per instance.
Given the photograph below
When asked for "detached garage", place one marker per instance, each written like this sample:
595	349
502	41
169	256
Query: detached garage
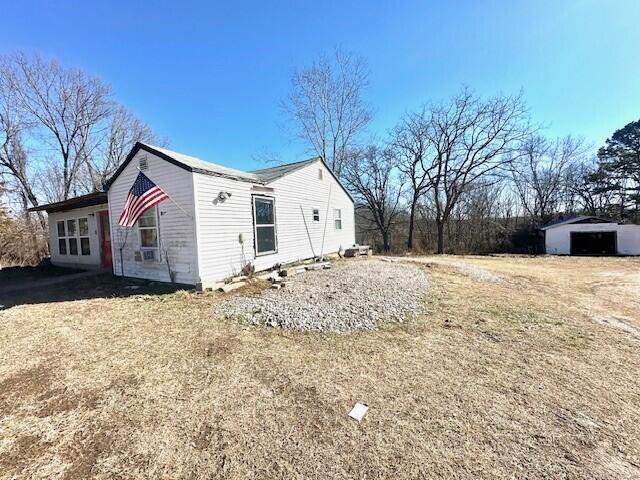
588	235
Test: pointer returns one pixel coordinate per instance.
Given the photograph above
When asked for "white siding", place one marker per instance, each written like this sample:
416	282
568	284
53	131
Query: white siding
220	253
220	223
303	188
558	239
177	228
629	239
78	261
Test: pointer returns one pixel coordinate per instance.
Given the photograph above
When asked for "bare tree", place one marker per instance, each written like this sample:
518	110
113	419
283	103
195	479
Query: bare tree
122	132
14	161
370	174
326	106
539	173
76	133
469	138
65	107
409	142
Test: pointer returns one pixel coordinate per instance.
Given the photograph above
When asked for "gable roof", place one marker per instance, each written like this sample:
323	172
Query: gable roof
193	164
273	173
576	219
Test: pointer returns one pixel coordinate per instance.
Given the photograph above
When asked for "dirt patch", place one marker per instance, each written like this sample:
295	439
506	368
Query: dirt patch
621	323
21	388
210	435
61	400
35	387
22	452
220	347
86	449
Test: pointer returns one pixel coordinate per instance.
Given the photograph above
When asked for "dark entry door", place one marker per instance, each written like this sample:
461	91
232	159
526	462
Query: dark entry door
105	239
593	243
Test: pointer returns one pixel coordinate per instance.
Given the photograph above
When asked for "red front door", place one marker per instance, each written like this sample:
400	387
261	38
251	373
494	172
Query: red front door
105	239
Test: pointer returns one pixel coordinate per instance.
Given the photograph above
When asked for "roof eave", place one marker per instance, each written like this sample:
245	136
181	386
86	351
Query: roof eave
89	200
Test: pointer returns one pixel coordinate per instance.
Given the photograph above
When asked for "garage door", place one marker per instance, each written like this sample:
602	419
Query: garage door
593	243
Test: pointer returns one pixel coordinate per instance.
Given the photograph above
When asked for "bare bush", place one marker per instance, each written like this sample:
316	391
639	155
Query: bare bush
22	242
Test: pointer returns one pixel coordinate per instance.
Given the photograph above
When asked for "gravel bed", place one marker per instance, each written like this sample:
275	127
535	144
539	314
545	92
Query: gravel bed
357	294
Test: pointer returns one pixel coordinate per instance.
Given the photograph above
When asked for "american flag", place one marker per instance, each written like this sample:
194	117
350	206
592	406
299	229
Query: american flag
143	195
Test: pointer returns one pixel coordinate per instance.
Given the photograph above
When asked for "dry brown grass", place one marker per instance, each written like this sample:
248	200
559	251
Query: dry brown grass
500	380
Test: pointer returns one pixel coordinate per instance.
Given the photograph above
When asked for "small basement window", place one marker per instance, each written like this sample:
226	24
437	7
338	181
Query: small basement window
148	234
264	223
316	215
337	219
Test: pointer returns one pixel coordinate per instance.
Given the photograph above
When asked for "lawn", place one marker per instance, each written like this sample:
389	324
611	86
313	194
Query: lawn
530	369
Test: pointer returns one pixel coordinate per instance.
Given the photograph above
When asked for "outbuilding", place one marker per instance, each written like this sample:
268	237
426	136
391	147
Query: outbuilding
79	232
591	235
216	223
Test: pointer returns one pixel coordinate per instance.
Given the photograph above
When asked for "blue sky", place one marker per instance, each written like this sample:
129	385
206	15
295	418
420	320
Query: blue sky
210	75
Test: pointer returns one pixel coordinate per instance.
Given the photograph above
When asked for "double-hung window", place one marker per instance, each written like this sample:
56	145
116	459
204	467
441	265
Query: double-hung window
148	234
337	219
264	224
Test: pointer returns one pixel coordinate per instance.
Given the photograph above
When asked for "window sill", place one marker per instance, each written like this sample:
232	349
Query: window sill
264	254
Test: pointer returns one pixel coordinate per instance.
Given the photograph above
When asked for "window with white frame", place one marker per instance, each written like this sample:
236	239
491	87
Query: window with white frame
264	224
72	232
73	236
62	238
148	234
83	235
337	219
316	215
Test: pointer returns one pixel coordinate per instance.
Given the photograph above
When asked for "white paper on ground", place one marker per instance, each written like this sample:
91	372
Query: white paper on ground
358	411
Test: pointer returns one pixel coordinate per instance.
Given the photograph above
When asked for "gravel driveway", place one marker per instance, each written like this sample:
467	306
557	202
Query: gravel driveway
355	294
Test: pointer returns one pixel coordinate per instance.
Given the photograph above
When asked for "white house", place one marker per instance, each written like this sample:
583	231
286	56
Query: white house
217	220
588	235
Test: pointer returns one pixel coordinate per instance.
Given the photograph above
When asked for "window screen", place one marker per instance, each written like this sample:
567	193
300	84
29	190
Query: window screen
148	233
264	225
337	219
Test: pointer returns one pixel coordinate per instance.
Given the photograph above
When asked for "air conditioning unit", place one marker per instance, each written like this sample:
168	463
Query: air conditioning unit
145	255
148	255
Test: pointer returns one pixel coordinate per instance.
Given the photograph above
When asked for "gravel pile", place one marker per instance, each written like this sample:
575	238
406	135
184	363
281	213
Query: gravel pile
352	295
477	273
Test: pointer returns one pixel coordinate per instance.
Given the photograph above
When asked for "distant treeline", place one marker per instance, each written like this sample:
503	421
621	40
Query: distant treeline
467	174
